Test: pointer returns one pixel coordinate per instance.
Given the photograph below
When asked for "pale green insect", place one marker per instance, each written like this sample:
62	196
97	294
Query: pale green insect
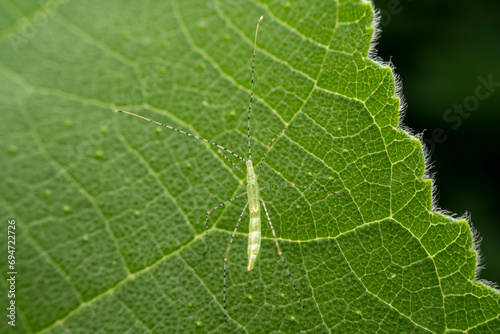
253	194
254	208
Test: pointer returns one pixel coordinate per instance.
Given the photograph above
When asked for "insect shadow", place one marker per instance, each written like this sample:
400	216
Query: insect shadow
253	195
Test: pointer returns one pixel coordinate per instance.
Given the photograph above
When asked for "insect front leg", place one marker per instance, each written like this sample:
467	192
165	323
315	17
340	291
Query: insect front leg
268	146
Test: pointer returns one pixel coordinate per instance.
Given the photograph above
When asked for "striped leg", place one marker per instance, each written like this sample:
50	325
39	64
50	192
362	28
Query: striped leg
231	161
225	266
290	185
183	132
269	145
212	210
286	266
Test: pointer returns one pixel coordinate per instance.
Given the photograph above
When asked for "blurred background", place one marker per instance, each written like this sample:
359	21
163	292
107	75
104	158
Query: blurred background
446	52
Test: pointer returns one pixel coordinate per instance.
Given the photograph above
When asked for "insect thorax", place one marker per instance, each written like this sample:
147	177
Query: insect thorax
252	188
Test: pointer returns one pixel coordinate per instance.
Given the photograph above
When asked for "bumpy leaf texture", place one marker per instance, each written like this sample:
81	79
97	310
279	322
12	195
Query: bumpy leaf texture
110	209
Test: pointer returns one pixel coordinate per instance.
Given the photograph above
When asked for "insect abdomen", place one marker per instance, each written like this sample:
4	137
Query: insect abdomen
253	238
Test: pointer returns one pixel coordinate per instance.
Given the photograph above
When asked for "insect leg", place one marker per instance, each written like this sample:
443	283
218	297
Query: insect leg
183	132
225	265
269	145
286	266
212	210
231	161
290	185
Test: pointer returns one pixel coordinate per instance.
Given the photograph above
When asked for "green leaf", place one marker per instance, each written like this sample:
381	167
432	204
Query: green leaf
110	210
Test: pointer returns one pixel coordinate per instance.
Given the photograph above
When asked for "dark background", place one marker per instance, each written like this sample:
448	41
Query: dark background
439	49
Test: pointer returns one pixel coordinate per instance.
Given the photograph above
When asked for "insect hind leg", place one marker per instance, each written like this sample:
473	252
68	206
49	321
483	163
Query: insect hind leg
226	258
286	265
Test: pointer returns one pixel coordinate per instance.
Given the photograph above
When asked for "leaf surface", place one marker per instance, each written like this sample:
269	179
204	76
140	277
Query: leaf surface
110	210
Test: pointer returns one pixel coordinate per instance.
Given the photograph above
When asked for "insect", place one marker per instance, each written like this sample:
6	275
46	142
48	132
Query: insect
253	194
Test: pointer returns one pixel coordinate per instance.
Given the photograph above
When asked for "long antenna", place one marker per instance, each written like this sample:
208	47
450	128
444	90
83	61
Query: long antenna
251	88
183	132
